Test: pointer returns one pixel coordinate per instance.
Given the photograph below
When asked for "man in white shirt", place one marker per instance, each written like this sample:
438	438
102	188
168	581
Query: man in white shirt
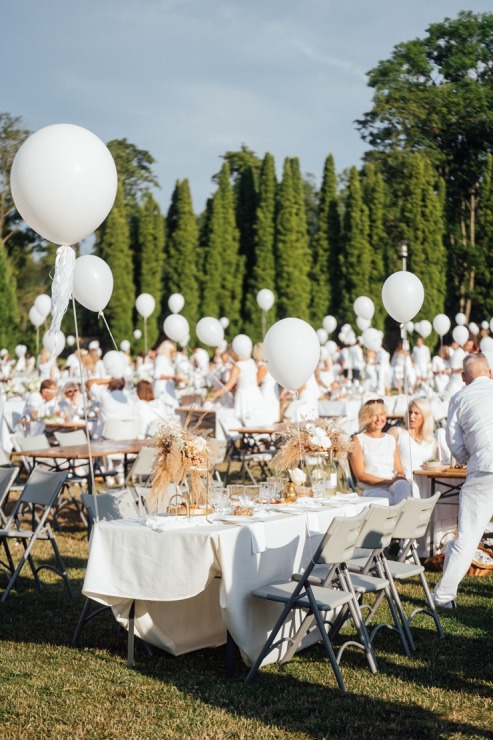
422	360
470	438
44	403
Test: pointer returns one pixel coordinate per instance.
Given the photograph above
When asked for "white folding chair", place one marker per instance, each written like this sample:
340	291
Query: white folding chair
40	493
121	429
336	548
35	442
7	478
142	466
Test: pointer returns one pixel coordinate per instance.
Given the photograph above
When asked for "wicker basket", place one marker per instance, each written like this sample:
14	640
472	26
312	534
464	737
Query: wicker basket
435	564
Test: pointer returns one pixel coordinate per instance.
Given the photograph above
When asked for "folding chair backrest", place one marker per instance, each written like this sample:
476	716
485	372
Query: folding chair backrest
415	517
379	526
77	437
110	506
217	450
339	541
119	429
7	477
43	487
35	442
4	458
12	412
143	463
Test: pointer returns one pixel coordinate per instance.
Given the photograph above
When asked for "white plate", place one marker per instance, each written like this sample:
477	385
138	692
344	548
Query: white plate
434	468
240	519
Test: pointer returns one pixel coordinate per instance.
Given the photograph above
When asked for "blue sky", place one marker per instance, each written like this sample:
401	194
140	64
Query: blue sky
188	80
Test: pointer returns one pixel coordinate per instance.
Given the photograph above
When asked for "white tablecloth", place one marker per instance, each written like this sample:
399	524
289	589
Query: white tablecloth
444	521
193	580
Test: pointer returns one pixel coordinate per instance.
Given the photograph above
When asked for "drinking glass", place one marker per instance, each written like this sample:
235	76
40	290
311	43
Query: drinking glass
267	492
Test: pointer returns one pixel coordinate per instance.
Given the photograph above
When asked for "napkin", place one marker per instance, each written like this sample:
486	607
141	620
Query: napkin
162	524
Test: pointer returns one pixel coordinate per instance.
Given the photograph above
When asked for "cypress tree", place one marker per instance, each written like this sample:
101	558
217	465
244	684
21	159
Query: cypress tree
321	245
292	253
355	261
483	297
115	250
263	270
374	197
151	248
8	300
182	269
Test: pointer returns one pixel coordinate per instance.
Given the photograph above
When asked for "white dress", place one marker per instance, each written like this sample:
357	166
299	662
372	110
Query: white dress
270	396
378	456
248	399
165	389
414	454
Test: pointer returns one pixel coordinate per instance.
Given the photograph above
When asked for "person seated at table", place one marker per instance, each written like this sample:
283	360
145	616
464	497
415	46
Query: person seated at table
151	409
417	443
113	402
375	459
71	403
43	403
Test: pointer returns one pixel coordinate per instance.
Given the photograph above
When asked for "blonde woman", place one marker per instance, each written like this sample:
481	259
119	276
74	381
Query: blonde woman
375	458
417	443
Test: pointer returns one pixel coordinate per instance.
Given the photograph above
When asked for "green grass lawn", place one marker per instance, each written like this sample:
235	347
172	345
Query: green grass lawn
50	690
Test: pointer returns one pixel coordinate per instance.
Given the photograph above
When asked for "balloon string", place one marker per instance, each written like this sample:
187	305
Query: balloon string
298	428
101	315
84	403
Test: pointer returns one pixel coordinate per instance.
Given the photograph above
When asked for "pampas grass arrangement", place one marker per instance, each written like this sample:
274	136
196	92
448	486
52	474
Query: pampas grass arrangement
315	437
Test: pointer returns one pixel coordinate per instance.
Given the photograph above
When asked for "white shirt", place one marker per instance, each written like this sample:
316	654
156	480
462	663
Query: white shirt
470	425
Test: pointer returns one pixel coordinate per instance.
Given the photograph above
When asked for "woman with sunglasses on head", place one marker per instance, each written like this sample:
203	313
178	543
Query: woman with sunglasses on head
417	443
71	404
375	459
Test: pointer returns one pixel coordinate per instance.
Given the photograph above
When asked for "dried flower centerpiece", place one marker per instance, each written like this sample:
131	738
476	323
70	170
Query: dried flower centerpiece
317	438
182	456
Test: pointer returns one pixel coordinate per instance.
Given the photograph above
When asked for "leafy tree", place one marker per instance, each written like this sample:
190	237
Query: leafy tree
134	168
9	318
374	195
151	259
115	250
321	246
292	253
263	270
355	261
435	95
181	264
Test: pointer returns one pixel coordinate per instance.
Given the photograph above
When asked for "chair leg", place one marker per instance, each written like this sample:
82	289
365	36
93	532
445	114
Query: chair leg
325	639
86	616
62	569
268	644
131	637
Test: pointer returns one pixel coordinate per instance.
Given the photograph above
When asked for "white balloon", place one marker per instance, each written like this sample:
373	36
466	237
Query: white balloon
35	317
114	363
20	350
242	346
42	304
54	342
460	319
63	182
372	339
329	323
93	282
460	334
441	324
425	328
145	305
403	295
124	345
292	352
224	321
486	344
362	323
322	335
410	326
209	331
176	327
137	334
332	347
417	327
265	299
489	357
474	328
485	325
70	340
364	307
185	341
345	328
176	302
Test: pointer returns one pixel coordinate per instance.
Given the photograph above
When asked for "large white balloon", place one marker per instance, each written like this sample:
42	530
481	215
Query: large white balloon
292	352
441	324
224	321
362	323
242	346
425	328
114	363
176	302
42	304
35	317
63	182
486	344
460	319
145	305
329	323
364	307
93	282
176	327
210	331
265	299
54	342
460	334
403	295
372	339
474	328
322	335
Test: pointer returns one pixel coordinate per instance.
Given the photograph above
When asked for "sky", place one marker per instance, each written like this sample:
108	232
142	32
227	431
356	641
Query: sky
188	80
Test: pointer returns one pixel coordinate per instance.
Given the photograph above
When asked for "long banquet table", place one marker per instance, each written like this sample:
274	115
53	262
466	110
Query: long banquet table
190	580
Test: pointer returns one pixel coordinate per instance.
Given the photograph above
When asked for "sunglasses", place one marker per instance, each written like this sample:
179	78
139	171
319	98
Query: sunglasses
374	400
71	393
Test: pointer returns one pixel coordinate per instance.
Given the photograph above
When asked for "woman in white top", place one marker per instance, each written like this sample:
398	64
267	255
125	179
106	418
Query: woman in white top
268	387
417	443
375	458
165	375
248	403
